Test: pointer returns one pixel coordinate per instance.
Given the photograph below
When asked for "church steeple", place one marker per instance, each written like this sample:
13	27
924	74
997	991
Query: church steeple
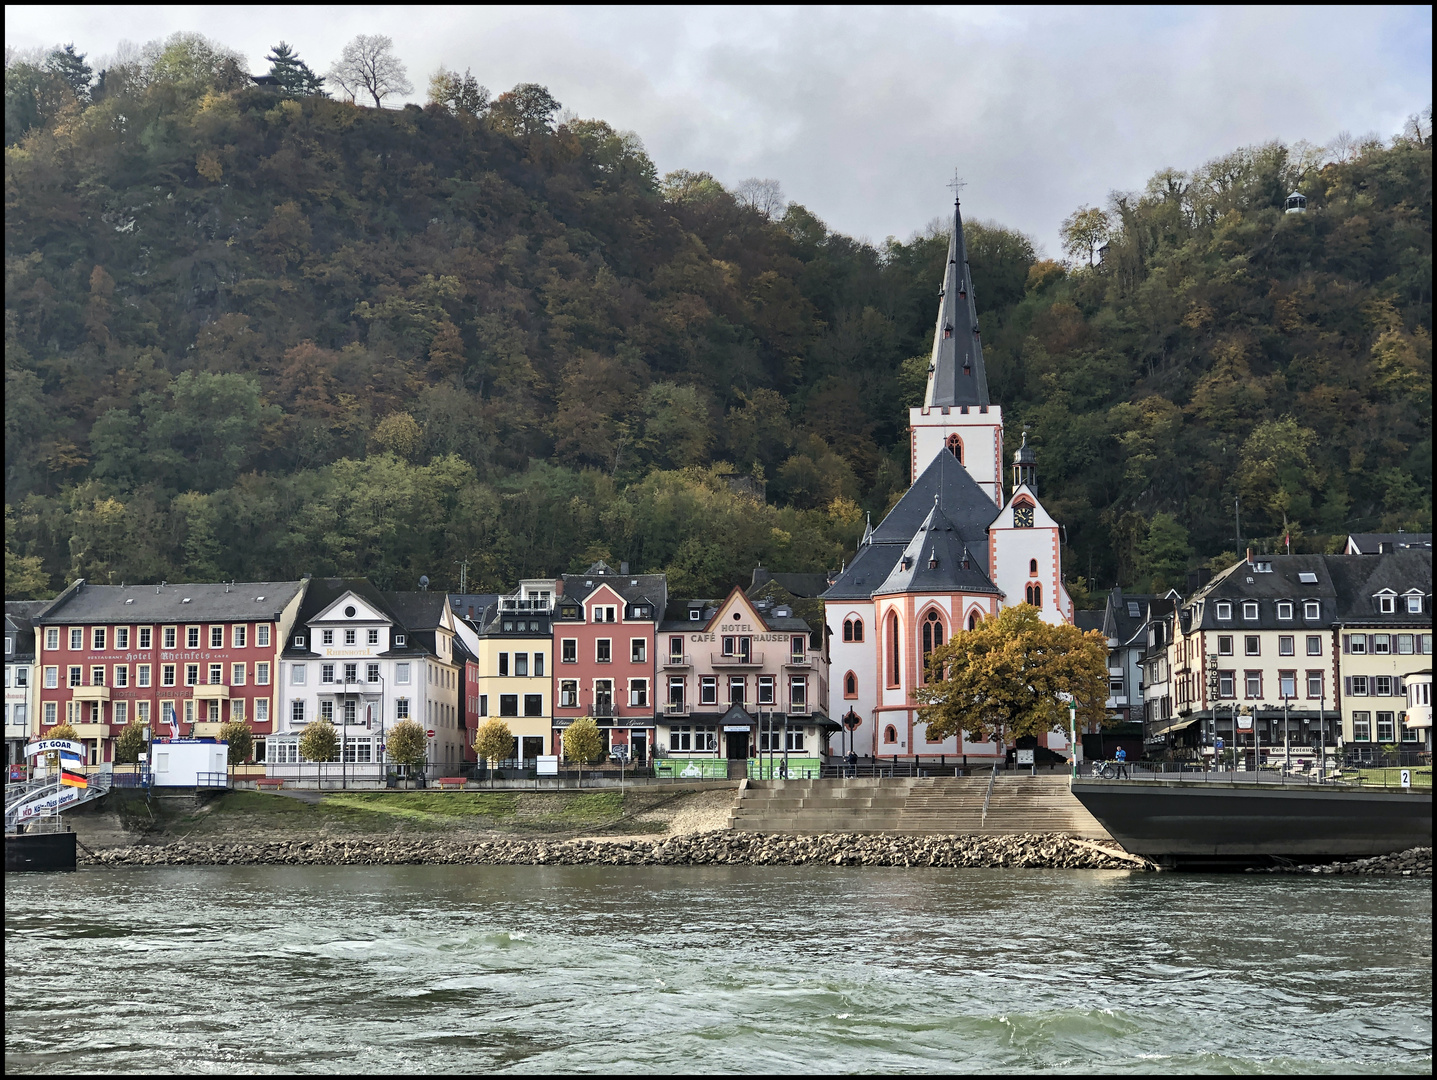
955	372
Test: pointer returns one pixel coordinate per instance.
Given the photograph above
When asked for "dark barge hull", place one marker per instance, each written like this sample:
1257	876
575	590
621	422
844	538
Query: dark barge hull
1204	821
39	851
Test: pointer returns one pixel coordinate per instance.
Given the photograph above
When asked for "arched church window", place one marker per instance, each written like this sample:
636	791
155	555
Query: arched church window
1032	566
955	446
857	629
1035	595
973	621
932	638
850	685
847	629
893	650
890	734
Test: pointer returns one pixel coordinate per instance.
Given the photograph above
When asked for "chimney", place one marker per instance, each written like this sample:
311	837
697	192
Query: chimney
1249	555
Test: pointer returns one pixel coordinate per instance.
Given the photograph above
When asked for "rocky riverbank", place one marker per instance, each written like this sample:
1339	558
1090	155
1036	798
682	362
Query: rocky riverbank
699	849
1414	862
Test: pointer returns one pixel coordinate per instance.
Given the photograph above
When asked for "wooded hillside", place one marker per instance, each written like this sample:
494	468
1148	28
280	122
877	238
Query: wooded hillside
252	335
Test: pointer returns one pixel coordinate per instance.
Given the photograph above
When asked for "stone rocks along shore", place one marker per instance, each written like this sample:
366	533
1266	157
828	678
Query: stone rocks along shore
1051	851
1414	862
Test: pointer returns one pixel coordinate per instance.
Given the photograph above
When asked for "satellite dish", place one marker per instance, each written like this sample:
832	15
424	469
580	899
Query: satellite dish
424	582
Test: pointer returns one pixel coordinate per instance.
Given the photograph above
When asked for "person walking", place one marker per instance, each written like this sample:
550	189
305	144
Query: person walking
852	760
1122	756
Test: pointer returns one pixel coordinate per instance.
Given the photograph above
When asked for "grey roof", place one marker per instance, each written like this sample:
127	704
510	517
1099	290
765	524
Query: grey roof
1125	627
244	601
676	617
472	605
955	372
964	506
804	585
937	560
1377	543
1345	586
634	588
20	630
417	610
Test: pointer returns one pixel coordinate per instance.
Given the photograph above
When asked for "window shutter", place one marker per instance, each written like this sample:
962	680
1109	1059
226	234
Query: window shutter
1347	685
1346	643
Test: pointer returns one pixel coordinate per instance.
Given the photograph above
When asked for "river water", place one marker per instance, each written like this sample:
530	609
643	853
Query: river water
712	969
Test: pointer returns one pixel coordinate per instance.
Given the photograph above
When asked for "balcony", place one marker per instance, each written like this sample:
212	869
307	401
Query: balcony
92	731
212	692
805	661
676	708
207	729
603	709
673	661
91	693
737	660
509	606
799	708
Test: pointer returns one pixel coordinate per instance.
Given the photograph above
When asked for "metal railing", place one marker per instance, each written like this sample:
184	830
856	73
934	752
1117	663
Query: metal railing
676	708
988	796
674	660
1338	776
751	659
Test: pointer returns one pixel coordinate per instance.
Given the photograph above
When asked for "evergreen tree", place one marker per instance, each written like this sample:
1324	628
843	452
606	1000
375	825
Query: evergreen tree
292	72
71	67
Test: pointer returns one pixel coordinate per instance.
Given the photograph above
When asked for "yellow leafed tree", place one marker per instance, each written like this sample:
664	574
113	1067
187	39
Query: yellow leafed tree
1003	678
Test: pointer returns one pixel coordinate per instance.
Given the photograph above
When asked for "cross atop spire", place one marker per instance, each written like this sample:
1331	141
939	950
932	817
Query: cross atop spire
956	375
957	184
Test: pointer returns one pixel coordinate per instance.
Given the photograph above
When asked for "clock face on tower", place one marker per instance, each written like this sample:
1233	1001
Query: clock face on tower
1023	517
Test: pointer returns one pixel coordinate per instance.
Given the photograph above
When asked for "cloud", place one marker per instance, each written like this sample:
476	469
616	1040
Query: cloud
862	114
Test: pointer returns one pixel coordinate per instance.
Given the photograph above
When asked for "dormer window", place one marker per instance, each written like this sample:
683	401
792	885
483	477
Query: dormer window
1284	610
695	614
399	639
1249	610
1387	603
1312	609
1224	610
1414	603
299	641
1262	566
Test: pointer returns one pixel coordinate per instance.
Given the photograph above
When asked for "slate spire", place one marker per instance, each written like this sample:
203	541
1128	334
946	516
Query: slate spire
955	372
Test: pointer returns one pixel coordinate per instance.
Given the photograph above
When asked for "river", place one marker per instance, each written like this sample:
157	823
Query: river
421	969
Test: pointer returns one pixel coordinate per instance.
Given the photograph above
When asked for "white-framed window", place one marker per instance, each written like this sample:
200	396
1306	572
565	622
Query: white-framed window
1405	643
142	712
326	673
1251	645
296	674
708	690
521	664
1382	643
167	674
326	637
261	710
142	675
795	740
401	674
239	635
237	708
50	713
638	650
533	704
538	665
192	637
1414	603
371	673
765	690
1387	604
145	636
736	685
372	637
1362	727
236	674
1357	644
638	693
349	637
296	711
1224	644
1314	644
1249	609
169	635
1386	727
217	674
401	708
52	678
261	673
569	650
261	635
1358	684
299	641
603	650
97	639
1224	609
798	693
122	637
1382	686
217	637
1286	645
192	674
75	674
52	637
1284	609
122	675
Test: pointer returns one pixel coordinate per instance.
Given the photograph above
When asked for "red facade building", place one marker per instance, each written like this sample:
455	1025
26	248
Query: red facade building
604	624
207	654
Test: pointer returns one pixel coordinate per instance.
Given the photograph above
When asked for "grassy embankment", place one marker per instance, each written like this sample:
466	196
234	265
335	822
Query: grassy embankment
250	814
1421	776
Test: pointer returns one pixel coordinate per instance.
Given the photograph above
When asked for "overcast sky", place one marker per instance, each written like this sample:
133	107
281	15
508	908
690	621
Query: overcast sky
863	114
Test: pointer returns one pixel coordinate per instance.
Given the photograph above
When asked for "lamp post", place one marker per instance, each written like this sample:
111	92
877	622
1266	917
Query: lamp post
1286	737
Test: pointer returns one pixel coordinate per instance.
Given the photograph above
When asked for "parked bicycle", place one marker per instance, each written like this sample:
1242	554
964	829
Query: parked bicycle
1109	770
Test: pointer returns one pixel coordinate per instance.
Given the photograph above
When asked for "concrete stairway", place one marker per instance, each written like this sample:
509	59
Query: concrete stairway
914	806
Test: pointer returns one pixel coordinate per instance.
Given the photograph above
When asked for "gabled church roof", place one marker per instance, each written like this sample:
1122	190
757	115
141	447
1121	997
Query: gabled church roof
964	506
937	560
955	372
960	498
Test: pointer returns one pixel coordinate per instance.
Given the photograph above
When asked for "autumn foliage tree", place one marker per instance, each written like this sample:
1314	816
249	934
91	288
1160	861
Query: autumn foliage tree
1003	678
583	741
493	741
320	742
407	744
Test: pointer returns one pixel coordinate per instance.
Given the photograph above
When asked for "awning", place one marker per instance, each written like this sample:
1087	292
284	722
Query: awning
1173	725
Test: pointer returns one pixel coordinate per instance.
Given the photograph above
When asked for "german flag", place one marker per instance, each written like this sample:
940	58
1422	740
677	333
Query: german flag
73	779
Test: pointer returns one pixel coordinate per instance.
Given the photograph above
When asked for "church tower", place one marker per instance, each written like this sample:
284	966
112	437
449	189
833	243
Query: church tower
956	416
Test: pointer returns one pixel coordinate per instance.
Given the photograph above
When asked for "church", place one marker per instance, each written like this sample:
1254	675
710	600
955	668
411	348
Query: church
952	551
